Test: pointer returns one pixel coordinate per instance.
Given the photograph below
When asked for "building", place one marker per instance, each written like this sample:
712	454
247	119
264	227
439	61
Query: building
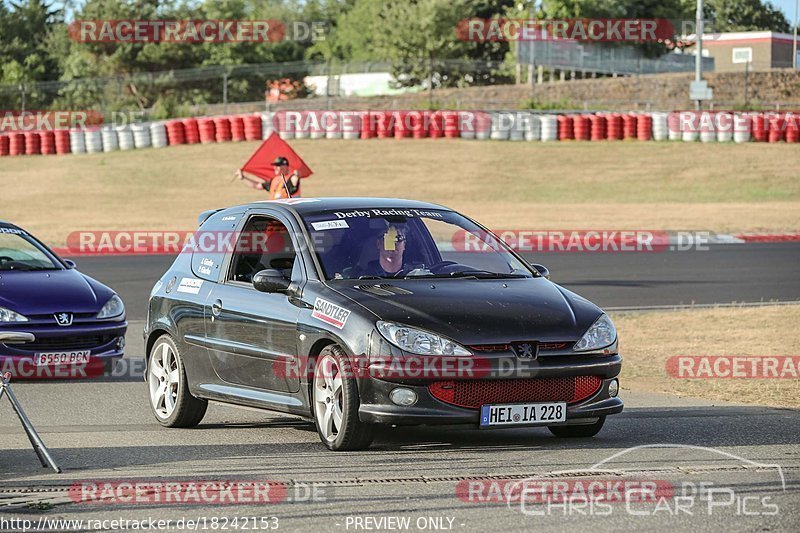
763	50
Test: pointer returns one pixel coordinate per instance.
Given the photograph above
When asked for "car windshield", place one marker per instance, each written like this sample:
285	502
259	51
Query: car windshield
396	243
18	251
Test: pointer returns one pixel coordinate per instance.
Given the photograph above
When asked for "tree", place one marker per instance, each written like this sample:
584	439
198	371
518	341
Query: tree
419	38
745	15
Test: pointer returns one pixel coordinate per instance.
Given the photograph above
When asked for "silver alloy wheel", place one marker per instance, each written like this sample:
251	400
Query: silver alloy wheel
328	399
163	378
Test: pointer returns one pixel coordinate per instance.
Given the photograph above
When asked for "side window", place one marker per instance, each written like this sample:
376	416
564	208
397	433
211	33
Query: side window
264	243
211	244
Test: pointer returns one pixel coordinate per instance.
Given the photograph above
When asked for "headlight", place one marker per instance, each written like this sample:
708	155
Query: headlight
7	315
419	342
113	307
601	334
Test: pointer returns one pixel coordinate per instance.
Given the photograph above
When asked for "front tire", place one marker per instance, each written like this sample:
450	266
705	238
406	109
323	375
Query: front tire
581	431
334	396
170	400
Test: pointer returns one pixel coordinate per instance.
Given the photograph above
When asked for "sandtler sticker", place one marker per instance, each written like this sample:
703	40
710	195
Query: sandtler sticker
190	285
330	313
329	224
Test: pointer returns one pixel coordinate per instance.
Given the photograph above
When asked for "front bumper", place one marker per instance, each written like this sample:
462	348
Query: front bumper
104	341
377	408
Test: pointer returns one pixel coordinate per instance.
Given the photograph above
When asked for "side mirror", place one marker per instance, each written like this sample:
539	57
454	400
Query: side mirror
542	270
270	280
70	263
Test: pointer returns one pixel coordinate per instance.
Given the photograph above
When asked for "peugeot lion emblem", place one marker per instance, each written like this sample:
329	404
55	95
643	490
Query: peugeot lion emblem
63	319
527	350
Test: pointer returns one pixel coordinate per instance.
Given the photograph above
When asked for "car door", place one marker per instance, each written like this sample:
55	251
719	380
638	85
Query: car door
252	336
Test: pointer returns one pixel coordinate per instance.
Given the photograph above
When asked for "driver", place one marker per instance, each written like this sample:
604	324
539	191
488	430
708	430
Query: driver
391	244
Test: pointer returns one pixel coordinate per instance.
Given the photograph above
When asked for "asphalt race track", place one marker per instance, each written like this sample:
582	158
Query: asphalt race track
721	466
720	275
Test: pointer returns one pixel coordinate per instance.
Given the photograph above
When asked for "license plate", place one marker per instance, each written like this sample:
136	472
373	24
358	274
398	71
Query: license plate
523	414
61	358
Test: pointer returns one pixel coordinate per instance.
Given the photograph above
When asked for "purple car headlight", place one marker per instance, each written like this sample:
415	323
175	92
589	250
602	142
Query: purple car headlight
7	315
113	308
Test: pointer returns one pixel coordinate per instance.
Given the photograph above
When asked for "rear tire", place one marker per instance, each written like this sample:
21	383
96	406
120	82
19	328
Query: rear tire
577	432
170	400
335	402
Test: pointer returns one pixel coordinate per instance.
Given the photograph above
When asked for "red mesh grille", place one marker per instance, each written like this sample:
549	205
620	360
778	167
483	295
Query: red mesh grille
474	393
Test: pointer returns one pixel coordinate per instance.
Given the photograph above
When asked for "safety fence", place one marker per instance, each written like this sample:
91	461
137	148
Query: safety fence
687	126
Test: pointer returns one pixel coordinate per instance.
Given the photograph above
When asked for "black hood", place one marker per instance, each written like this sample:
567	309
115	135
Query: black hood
480	311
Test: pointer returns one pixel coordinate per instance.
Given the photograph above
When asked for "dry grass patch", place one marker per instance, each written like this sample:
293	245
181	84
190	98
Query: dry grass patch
568	185
649	339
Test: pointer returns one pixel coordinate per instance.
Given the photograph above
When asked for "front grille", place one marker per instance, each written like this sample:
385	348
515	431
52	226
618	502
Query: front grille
474	393
543	346
68	342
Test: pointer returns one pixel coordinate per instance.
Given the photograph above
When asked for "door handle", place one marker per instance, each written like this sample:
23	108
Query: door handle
216	307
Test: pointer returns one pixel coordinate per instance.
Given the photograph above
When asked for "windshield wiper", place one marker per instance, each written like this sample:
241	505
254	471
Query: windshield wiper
478	274
371	277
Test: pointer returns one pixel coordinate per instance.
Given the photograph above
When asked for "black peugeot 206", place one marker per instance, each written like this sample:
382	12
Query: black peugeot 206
359	312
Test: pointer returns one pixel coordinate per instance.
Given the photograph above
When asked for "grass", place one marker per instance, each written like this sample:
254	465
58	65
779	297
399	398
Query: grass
566	185
647	340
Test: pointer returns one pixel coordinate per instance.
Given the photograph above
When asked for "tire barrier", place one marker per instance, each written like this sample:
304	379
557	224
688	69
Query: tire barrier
237	128
141	135
62	141
158	135
776	129
533	127
451	127
629	125
369	125
659	126
191	131
350	125
708	130
16	143
724	125
687	126
94	140
581	127
33	143
549	128
110	139
207	130
759	128
176	134
436	125
565	127
793	132
644	127
76	142
48	142
597	127
384	129
267	127
125	138
742	126
222	129
252	128
499	129
614	127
